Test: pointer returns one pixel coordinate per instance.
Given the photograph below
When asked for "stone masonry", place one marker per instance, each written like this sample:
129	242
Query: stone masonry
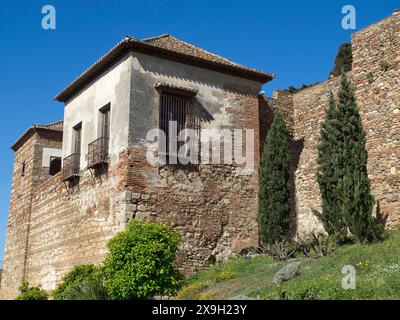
376	78
54	225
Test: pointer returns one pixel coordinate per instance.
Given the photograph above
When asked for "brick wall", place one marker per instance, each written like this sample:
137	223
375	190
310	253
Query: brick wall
18	227
213	206
55	228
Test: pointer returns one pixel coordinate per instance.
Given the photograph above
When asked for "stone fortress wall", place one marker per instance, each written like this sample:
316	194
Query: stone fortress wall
375	76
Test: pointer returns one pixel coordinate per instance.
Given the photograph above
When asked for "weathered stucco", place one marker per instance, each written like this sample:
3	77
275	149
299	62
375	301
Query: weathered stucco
112	87
216	92
214	207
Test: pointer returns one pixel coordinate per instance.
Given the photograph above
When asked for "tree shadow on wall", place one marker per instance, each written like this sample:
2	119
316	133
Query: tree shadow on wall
295	149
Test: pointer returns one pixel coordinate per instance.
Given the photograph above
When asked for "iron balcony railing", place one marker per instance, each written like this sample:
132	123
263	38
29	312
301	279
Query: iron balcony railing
98	152
71	166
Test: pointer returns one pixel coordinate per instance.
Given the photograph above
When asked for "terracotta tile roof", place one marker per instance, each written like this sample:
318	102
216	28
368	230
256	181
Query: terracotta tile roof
171	43
57	126
164	46
54	128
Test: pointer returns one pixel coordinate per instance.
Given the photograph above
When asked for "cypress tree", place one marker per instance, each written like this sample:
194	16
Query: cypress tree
354	186
342	169
343	60
274	192
327	173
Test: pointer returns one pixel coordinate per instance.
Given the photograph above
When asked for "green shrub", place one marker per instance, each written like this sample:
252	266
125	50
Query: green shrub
139	264
31	293
73	279
323	244
293	89
319	243
90	288
281	251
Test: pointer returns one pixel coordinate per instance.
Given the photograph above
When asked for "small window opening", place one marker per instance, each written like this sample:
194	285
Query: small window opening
55	166
22	178
23	170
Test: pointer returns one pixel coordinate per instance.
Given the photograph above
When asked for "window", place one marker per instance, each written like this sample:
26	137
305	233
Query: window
176	110
55	166
97	156
23	170
22	177
105	122
77	137
71	164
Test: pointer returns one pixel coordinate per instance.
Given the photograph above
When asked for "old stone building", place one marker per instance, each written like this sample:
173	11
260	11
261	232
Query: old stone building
77	182
59	221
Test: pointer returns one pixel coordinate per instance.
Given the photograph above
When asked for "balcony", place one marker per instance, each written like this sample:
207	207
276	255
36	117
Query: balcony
71	167
97	153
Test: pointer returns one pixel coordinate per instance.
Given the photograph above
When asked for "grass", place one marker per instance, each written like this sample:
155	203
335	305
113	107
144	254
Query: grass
377	268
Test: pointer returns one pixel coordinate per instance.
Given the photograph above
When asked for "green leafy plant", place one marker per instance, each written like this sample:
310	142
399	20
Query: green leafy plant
281	251
73	279
139	264
323	244
31	293
274	193
90	288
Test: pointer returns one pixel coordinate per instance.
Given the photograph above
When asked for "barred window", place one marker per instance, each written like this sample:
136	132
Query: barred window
177	114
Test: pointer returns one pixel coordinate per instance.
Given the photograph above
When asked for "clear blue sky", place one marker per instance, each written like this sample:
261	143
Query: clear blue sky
297	40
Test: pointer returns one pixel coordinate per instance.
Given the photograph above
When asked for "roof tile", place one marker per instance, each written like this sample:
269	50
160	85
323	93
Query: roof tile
166	46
